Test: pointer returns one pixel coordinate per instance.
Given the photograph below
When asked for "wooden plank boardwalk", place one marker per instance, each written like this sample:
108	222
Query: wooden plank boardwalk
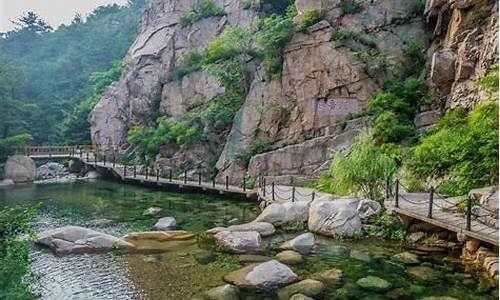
413	205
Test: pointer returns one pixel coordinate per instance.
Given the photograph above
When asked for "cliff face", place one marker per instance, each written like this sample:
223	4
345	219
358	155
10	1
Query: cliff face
305	115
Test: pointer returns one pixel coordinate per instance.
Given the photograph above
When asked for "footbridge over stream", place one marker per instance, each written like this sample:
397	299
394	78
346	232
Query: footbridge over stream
430	207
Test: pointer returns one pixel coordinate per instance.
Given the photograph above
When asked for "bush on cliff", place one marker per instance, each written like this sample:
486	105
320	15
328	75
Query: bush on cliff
206	9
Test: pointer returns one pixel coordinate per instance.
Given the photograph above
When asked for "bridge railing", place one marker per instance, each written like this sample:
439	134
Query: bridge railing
473	210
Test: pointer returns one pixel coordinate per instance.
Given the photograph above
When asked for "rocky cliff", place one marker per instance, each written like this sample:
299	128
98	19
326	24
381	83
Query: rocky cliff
305	116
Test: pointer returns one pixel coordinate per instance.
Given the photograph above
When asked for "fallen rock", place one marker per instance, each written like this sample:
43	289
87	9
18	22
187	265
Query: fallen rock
406	258
263	228
223	292
165	224
152	211
415	236
307	287
425	273
240	242
331	218
290	257
159	241
278	213
374	283
20	169
271	274
331	277
79	240
303	243
368	210
51	170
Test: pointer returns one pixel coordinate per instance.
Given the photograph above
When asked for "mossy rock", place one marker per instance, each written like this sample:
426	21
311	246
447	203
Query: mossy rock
374	283
307	287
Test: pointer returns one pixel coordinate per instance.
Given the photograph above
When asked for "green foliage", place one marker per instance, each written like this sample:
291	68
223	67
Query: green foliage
349	7
310	17
75	127
206	9
341	35
294	226
191	62
205	241
278	7
462	150
414	59
257	147
249	4
388	227
417	8
55	65
14	259
490	81
388	128
363	170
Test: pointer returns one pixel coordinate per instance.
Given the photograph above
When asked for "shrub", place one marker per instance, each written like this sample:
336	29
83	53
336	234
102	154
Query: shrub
417	8
415	59
388	227
257	147
206	9
342	35
389	128
363	170
234	41
249	4
462	151
191	62
310	17
490	81
349	7
294	226
368	41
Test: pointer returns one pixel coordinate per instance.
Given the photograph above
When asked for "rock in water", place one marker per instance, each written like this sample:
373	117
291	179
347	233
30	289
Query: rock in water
368	210
308	287
263	228
51	170
159	241
406	258
78	240
152	211
331	277
20	168
240	242
290	257
278	213
300	297
331	218
165	224
425	273
268	275
303	243
6	182
374	283
223	292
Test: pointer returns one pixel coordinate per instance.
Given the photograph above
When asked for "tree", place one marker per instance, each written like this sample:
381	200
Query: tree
31	22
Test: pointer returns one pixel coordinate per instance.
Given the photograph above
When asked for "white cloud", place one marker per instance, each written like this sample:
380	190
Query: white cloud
54	12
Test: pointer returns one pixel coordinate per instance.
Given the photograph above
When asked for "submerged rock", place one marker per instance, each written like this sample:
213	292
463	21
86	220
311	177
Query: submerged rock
240	242
159	241
20	169
361	255
425	273
79	240
271	274
331	218
406	258
278	213
303	243
290	257
308	287
374	283
165	224
331	277
263	228
223	292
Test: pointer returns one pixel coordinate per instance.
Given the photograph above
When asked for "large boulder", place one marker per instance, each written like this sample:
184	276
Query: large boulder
51	170
263	228
368	210
337	217
303	243
290	257
20	168
268	275
165	224
240	242
280	213
79	240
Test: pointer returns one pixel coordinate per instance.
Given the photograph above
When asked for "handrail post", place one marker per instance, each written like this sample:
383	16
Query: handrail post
125	171
244	183
272	190
388	188
313	195
135	170
213	181
264	185
397	193
157	175
104	159
170	175
227	182
185	176
199	177
469	214
431	200
87	156
114	159
147	172
293	193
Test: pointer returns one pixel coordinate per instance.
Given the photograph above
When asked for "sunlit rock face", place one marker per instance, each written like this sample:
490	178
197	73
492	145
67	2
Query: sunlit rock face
304	116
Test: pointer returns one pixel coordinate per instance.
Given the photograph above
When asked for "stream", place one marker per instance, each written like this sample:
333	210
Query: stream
117	209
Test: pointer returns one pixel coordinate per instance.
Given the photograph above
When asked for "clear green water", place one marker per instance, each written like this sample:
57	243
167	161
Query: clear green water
177	274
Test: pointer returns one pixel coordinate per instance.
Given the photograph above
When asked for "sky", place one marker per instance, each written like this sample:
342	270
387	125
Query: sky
54	12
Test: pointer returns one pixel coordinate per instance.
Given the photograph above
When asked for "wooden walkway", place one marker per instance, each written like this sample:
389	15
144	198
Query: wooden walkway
413	205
